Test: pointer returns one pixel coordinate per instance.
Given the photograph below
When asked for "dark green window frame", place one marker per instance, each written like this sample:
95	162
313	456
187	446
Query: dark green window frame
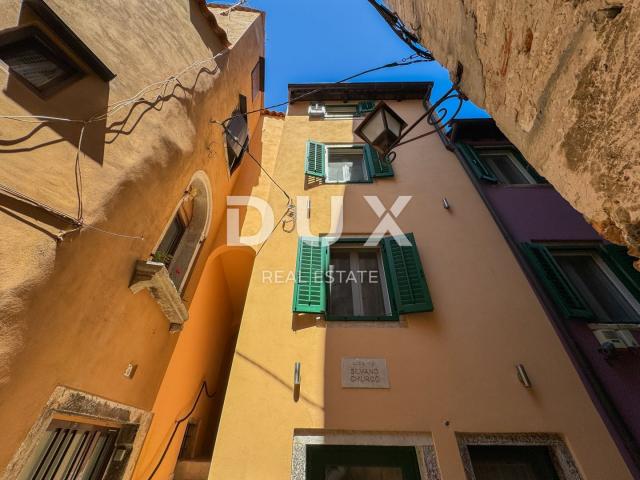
482	171
406	282
566	298
316	159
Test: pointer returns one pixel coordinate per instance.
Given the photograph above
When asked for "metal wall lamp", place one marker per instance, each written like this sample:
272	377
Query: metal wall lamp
384	129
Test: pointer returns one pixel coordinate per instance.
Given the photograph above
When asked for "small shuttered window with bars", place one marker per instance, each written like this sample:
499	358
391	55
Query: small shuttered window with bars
71	450
399	269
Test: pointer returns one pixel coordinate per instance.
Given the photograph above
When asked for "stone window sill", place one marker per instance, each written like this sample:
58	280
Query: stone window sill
154	277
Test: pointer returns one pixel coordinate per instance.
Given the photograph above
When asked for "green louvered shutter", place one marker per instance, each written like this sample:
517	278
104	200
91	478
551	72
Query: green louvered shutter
480	169
365	107
314	163
309	293
567	299
376	165
622	265
406	276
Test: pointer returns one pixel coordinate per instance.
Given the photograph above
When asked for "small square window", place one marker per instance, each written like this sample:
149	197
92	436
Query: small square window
33	58
357	284
346	164
512	462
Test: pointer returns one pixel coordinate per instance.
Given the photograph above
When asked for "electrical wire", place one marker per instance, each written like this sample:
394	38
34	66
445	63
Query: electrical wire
111	109
204	388
233	7
246	150
290	211
140	97
400	63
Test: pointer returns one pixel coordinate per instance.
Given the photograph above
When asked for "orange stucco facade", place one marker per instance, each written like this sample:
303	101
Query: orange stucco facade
451	371
70	325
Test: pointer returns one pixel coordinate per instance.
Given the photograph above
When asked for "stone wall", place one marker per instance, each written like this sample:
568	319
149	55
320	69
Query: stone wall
561	79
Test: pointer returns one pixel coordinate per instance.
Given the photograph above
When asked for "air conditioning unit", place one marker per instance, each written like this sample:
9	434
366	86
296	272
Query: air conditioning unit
618	338
317	110
628	338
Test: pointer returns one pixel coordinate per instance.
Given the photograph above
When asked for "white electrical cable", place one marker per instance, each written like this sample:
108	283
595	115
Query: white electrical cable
111	109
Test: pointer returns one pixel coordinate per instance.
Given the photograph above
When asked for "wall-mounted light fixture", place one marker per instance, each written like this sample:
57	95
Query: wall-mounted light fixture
522	375
296	374
296	381
130	371
381	128
384	129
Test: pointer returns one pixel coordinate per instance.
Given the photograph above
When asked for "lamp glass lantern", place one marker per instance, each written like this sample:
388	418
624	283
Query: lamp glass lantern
381	128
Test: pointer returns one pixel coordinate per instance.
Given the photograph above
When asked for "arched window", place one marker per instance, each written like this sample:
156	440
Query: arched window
186	231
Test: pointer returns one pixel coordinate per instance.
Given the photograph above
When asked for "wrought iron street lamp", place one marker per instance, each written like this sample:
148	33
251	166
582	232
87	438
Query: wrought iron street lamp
385	130
381	128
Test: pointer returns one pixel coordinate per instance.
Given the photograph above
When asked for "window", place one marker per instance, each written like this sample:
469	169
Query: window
345	163
34	58
507	169
72	450
188	441
350	462
505	166
357	285
512	462
169	244
348	281
597	283
237	134
186	231
341	110
257	78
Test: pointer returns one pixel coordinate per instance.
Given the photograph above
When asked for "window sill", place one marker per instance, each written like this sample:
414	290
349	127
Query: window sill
614	326
400	322
331	182
154	277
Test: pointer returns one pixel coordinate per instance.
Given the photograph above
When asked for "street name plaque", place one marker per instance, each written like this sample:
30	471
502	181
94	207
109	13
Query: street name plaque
364	373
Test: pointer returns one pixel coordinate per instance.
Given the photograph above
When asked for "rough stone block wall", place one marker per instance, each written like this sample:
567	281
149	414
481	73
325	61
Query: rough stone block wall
562	80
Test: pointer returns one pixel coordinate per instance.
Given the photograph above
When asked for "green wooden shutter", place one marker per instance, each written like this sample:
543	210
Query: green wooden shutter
365	107
314	163
480	169
309	294
569	302
622	265
406	276
376	165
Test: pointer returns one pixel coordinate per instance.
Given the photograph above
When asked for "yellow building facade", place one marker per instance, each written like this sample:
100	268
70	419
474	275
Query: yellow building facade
321	391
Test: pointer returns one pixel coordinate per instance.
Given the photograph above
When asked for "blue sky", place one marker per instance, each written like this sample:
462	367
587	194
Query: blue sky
327	40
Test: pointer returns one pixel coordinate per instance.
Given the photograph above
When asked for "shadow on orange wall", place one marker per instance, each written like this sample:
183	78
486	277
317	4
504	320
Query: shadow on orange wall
203	353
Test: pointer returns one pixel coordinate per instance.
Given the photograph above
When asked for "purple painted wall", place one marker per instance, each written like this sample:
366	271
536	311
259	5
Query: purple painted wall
539	213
